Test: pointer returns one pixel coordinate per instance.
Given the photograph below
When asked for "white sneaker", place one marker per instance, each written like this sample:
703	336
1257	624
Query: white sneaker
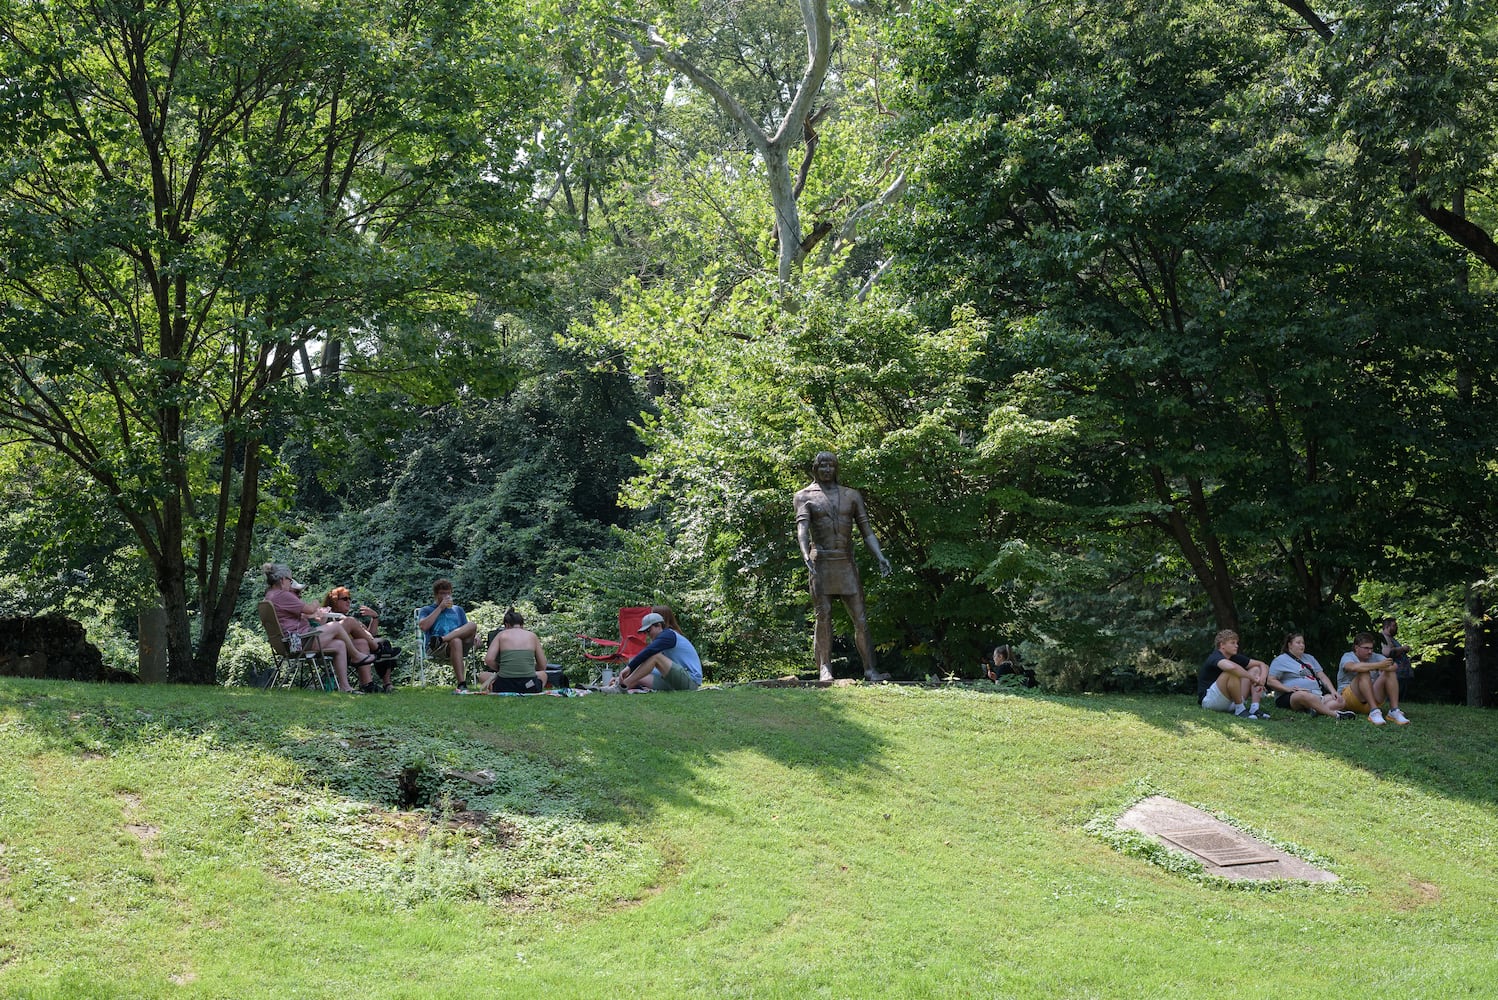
1376	717
1397	716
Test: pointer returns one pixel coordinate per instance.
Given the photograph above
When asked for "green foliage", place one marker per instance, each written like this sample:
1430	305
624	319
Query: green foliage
754	391
193	195
503	496
1233	347
246	653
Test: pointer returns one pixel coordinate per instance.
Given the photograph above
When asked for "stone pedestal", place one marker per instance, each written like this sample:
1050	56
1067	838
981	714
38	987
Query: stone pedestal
152	645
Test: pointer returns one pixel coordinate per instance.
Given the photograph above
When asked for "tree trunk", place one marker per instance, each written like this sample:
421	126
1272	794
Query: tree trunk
220	593
171	584
1211	573
787	215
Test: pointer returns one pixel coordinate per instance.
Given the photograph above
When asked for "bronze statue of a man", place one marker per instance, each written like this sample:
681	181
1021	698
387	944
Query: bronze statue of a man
826	512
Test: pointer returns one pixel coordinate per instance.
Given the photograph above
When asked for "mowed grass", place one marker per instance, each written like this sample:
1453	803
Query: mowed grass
750	842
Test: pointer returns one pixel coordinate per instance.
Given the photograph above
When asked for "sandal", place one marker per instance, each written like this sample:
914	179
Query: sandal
364	662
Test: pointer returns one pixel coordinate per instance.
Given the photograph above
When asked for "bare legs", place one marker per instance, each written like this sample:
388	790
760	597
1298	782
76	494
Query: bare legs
641	678
335	641
1372	687
459	640
822	635
1243	690
1321	704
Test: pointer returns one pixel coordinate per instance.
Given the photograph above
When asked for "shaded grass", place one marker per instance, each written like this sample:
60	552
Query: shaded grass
741	843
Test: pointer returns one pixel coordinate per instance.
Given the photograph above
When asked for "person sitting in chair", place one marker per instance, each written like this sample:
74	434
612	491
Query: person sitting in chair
336	638
668	663
339	603
516	662
448	630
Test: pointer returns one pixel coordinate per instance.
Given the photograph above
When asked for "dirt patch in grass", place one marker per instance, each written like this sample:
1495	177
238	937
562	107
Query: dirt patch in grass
1423	894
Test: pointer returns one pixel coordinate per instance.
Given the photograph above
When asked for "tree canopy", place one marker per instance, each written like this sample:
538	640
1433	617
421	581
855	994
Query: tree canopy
1129	327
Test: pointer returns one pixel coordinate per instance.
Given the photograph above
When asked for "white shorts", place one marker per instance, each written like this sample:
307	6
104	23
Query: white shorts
1215	701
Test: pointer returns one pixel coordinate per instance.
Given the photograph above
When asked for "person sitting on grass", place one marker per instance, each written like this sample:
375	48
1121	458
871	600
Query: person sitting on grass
1300	684
668	663
1365	681
336	638
448	631
1003	663
515	660
1227	679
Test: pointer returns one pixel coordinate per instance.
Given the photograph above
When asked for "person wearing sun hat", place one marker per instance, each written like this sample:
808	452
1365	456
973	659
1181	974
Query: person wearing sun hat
668	663
297	617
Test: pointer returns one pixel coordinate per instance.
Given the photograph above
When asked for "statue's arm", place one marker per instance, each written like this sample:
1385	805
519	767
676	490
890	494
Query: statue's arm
861	518
803	529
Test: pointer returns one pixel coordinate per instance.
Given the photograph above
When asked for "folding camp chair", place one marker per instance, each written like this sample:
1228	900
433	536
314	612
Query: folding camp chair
297	660
629	643
435	654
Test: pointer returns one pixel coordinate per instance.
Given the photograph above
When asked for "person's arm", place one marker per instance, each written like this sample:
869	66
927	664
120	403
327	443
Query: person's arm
1354	665
374	618
427	623
540	654
666	640
803	529
1227	666
491	655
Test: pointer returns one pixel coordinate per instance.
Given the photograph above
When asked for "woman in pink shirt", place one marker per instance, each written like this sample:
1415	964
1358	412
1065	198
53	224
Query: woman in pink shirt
333	637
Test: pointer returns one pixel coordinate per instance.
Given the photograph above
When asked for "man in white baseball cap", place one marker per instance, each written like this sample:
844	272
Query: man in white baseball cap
668	663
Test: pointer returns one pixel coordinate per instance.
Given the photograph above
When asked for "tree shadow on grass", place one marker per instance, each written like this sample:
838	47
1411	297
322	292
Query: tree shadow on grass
1448	749
632	754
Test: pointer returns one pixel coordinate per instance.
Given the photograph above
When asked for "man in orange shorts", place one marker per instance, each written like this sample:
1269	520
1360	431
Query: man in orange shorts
1366	681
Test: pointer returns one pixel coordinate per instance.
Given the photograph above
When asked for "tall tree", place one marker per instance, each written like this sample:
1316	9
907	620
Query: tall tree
772	102
193	194
1407	90
1120	197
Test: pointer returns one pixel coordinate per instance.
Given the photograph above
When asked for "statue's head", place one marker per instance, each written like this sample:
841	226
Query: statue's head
824	467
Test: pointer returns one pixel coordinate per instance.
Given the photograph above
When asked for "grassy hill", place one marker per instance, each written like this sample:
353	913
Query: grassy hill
851	842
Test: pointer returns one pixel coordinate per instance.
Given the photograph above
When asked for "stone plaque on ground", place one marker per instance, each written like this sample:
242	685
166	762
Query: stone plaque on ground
1222	849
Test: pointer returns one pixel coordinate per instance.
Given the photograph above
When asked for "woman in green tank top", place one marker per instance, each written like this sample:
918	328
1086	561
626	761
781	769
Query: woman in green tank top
515	662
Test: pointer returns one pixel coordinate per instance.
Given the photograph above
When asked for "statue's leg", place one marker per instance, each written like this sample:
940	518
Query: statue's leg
822	635
854	604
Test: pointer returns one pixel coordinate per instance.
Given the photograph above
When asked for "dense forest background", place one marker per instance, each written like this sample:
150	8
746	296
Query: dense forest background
1131	321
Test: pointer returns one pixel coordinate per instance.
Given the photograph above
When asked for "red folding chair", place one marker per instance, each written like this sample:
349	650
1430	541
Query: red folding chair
630	640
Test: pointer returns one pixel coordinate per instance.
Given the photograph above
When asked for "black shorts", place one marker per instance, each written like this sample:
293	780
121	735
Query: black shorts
517	685
1283	698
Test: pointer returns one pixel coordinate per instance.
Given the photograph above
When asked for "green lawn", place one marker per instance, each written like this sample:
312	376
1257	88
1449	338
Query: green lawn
750	842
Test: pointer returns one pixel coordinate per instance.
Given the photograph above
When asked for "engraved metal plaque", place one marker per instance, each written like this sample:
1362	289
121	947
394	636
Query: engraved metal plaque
1220	847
